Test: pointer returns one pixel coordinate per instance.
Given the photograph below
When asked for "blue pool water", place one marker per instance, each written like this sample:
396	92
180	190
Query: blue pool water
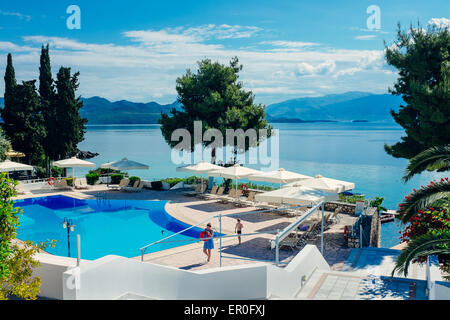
117	227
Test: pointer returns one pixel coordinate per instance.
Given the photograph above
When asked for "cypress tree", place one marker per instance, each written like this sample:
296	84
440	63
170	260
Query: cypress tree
28	123
10	87
47	99
70	125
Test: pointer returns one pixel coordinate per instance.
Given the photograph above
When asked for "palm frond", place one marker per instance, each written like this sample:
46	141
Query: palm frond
433	159
423	198
425	245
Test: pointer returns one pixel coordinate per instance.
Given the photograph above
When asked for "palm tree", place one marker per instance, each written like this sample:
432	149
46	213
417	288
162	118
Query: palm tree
426	245
433	159
436	158
423	198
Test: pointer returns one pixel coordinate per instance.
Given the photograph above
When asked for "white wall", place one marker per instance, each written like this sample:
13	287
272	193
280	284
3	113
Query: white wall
112	276
50	271
285	282
440	291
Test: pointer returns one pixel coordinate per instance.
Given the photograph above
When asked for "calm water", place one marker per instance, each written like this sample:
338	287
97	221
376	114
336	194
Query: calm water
347	151
117	227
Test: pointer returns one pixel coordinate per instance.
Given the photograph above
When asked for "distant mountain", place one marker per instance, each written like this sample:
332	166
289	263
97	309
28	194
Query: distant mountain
101	111
348	106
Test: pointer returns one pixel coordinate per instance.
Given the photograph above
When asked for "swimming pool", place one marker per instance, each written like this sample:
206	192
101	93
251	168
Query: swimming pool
118	227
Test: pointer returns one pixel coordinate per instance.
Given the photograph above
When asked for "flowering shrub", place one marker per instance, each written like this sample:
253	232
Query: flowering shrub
431	220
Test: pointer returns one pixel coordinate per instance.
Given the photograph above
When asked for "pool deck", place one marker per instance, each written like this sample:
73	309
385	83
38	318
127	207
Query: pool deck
193	211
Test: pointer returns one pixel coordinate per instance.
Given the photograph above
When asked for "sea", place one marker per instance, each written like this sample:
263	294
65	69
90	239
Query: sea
350	151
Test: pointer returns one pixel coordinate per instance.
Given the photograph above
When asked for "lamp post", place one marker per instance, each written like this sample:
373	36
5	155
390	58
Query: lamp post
68	224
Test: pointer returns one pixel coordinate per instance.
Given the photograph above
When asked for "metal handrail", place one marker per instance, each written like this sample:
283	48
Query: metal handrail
142	249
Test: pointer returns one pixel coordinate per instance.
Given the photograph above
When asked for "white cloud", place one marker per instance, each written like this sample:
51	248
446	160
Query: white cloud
290	44
439	22
147	66
16	14
367	37
306	69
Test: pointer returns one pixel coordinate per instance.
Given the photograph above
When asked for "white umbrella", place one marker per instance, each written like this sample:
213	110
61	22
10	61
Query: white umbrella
124	164
73	163
295	196
280	176
324	184
234	172
200	167
8	165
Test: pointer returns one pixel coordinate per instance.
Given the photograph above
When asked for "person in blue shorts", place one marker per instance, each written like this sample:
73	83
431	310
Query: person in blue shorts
209	244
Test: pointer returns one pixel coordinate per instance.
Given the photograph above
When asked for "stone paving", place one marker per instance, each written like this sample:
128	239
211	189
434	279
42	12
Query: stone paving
365	276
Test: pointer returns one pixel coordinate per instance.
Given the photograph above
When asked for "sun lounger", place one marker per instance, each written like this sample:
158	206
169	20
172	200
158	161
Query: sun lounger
138	188
80	183
237	197
198	190
135	185
123	183
249	201
61	185
207	195
218	194
229	197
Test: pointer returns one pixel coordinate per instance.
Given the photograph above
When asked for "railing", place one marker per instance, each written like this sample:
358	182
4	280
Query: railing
286	231
165	240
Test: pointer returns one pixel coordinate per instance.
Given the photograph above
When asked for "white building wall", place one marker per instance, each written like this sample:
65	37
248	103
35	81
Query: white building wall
286	282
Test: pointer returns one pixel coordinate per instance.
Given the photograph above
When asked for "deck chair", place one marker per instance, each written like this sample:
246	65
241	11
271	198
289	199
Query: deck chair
62	185
212	192
193	193
135	185
229	197
218	194
80	183
123	183
289	242
250	201
237	197
138	188
203	188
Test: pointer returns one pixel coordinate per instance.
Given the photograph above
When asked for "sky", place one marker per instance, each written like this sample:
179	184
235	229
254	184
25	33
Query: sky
135	50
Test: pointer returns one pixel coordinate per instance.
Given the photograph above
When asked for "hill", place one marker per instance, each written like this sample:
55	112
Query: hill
348	106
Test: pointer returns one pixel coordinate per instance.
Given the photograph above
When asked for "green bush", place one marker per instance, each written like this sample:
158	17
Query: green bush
116	178
156	185
92	178
57	171
69	181
133	179
352	198
173	181
191	179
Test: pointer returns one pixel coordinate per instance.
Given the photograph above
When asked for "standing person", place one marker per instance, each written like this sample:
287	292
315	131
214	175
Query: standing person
238	229
209	244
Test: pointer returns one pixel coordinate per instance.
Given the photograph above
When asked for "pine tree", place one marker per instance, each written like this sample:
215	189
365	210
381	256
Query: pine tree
422	58
214	96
